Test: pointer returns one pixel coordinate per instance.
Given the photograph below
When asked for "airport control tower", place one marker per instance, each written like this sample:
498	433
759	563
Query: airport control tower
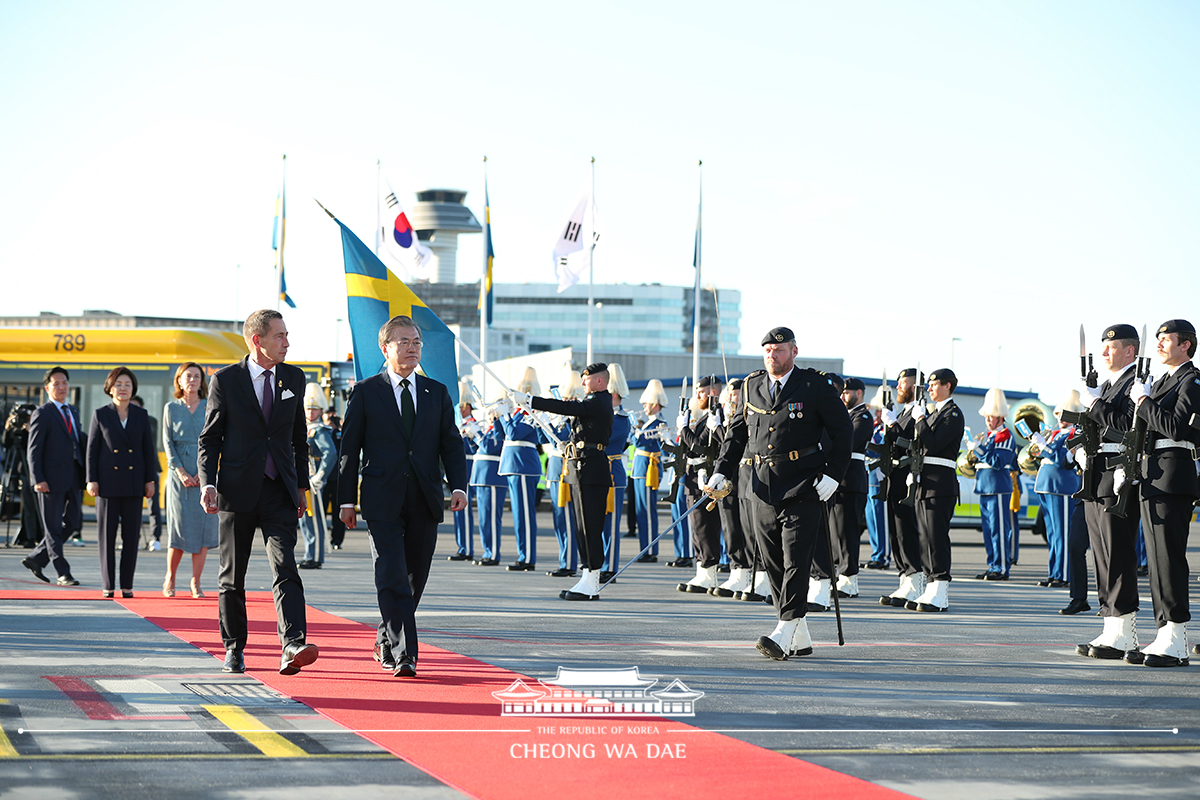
438	218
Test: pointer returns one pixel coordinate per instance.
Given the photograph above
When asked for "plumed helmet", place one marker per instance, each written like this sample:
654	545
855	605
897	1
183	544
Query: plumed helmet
573	388
465	395
314	397
1070	403
654	393
529	382
995	404
876	400
616	381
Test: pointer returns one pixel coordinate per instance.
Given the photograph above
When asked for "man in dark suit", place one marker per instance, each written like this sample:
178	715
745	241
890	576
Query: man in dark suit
253	467
56	453
400	426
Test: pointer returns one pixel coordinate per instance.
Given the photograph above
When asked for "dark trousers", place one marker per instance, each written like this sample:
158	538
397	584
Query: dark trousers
1114	556
1077	547
786	536
155	512
1168	518
706	525
337	531
31	529
905	541
61	514
402	550
730	511
933	524
846	519
111	513
591	506
275	514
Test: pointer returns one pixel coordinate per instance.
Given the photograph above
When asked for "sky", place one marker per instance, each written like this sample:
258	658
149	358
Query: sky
941	183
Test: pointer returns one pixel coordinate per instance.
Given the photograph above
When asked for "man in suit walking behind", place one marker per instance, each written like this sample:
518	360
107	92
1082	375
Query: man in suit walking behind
401	426
253	467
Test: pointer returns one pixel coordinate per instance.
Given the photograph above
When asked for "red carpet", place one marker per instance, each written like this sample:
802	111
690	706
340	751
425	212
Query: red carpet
447	723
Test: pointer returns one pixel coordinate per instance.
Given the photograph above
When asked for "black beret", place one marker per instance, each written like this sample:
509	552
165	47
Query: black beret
593	369
854	384
836	380
735	383
911	372
1176	326
944	375
709	380
779	335
1114	332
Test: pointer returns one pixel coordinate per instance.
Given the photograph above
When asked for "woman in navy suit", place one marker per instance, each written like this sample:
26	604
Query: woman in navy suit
122	468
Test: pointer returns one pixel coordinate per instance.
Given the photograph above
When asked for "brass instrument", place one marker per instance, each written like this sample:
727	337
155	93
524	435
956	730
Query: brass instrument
1038	417
967	459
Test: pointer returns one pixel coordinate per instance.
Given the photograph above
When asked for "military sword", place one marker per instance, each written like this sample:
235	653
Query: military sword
705	498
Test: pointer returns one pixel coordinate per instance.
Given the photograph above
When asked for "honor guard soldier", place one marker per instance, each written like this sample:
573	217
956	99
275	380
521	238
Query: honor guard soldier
618	443
521	464
589	478
995	455
939	434
322	455
782	415
699	434
1056	483
561	510
647	466
741	574
1169	486
902	517
1112	536
490	487
848	506
464	521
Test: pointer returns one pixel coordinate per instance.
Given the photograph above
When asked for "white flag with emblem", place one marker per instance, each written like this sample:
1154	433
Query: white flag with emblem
571	258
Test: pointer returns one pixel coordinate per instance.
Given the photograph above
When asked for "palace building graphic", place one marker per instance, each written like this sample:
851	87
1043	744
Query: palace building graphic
620	692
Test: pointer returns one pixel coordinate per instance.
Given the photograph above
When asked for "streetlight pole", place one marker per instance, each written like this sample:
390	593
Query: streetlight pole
952	341
600	315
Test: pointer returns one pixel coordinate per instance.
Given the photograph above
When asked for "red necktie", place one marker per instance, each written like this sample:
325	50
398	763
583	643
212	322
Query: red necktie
67	419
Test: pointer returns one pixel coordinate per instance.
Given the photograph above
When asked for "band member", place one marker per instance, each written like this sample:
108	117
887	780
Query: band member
322	455
490	486
781	417
996	454
1111	536
699	434
1056	482
877	517
521	464
902	519
618	443
647	466
589	478
848	506
464	520
1169	487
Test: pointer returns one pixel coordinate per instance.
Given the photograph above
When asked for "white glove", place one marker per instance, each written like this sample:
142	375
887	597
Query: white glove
717	481
1088	395
681	421
1039	440
1118	478
918	411
520	398
1139	390
1081	458
889	417
825	488
712	422
909	481
971	445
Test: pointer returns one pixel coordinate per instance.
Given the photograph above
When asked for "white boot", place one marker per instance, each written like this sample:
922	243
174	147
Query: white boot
1169	648
739	581
588	587
706	578
896	598
918	585
801	641
934	597
847	586
819	598
776	645
1118	637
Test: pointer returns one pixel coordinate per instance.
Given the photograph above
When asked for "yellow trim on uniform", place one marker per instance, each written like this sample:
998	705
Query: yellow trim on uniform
756	409
256	733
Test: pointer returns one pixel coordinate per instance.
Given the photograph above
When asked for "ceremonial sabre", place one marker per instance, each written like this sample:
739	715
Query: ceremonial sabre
661	534
538	421
833	576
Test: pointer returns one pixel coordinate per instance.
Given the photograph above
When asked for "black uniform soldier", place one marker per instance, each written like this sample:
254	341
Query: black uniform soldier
940	434
848	506
700	434
1169	487
741	577
1112	537
902	519
780	418
588	472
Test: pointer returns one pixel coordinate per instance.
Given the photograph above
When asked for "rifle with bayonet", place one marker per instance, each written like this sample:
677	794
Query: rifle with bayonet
678	460
883	454
1129	459
916	448
1087	431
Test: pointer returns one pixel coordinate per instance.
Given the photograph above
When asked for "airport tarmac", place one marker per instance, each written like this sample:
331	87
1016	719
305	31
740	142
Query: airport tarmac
988	700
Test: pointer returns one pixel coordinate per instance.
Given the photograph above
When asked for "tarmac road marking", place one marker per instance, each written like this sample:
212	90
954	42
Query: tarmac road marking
255	732
6	747
938	751
194	756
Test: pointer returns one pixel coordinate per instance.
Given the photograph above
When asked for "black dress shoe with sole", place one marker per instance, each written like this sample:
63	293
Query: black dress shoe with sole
911	605
406	667
894	602
1103	651
682	563
875	565
1137	657
817	608
1155	660
458	557
1057	584
931	608
234	662
1044	582
562	572
567	594
803	651
66	580
766	645
126	593
750	597
606	575
107	594
1075	607
719	591
647	559
692	588
297	655
1083	650
1196	649
28	564
520	566
383	654
995	576
488	562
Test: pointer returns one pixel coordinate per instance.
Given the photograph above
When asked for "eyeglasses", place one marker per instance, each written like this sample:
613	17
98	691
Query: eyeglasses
404	344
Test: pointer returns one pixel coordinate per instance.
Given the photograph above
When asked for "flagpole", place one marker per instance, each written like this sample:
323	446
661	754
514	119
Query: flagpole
696	292
282	237
378	210
483	328
591	265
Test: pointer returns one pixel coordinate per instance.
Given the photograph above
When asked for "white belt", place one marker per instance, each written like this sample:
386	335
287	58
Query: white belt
978	465
518	443
858	456
941	462
1110	447
1163	444
553	452
487	458
695	462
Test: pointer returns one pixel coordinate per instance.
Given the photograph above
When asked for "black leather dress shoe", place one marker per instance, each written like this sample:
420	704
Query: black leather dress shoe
682	563
562	572
295	656
519	566
1105	652
107	594
1137	657
894	602
406	667
982	576
488	562
1196	649
817	608
1083	650
1044	582
1155	660
875	565
234	662
28	564
720	591
995	576
309	565
567	594
930	608
1057	584
723	569
911	605
66	580
647	559
383	654
127	593
1076	606
606	575
1143	571
768	648
749	597
458	557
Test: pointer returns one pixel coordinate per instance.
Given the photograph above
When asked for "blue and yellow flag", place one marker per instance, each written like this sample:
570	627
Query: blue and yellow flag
485	288
277	239
373	296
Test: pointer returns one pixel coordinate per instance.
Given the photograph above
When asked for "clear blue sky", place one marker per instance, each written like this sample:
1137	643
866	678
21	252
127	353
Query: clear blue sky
882	177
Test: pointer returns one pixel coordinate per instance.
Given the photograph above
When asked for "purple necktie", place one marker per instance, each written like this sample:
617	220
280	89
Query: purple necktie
268	402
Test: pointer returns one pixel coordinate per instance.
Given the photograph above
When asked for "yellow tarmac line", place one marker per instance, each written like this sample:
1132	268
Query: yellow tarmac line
6	748
256	733
193	756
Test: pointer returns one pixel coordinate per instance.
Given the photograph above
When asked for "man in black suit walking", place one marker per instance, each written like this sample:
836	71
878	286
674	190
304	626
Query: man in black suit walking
56	449
253	465
401	426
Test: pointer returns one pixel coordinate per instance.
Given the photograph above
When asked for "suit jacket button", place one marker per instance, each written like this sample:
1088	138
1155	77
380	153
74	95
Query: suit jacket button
116	451
770	447
131	449
131	467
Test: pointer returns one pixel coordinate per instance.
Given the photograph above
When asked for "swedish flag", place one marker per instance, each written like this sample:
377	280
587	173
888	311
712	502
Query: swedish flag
373	296
485	287
277	240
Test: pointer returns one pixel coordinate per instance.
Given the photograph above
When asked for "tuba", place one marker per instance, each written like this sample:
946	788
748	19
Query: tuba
967	459
1037	416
